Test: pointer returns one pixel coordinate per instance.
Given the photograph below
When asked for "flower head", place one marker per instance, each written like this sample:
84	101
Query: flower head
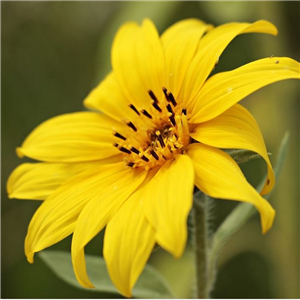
157	130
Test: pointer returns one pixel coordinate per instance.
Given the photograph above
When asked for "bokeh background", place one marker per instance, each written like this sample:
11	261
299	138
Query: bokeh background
54	53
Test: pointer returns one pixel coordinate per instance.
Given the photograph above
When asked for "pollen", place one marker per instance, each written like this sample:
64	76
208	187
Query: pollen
156	134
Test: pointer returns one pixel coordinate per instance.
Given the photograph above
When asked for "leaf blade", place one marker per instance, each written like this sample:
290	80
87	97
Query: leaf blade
242	156
150	284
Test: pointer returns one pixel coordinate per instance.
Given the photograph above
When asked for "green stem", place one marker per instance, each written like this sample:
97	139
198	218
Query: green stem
201	247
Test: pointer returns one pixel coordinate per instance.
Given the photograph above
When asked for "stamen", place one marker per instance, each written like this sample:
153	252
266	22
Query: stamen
132	126
125	150
145	158
136	151
118	135
172	119
154	154
166	93
144	112
153	97
134	109
130	164
172	99
169	97
160	139
170	110
122	148
156	106
184	111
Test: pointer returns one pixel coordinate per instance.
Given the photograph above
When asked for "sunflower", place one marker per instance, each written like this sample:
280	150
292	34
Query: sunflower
156	132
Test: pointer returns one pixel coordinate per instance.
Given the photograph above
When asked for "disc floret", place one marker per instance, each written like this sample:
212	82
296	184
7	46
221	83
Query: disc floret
166	133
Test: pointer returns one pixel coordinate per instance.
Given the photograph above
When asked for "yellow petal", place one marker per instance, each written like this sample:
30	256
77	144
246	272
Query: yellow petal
211	46
236	129
180	42
83	136
109	98
36	181
219	176
97	213
168	200
55	219
138	62
128	242
223	90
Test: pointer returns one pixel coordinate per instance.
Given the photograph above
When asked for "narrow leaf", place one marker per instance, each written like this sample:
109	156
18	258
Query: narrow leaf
150	284
242	156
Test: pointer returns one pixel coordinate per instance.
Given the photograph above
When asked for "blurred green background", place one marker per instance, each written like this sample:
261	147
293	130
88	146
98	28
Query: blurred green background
54	53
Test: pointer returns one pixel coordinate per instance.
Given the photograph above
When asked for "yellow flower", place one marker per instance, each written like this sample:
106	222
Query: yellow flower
133	167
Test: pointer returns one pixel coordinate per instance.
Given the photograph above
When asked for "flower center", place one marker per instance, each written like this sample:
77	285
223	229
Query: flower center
155	136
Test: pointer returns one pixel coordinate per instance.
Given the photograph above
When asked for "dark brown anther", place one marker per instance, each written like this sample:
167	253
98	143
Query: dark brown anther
153	97
132	126
184	111
120	136
154	154
161	140
144	158
172	120
144	112
124	150
166	93
134	150
130	164
134	109
172	99
170	110
155	105
169	96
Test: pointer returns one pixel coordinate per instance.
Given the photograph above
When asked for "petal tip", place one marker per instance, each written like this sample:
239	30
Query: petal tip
268	27
127	294
267	225
86	283
30	257
20	152
178	253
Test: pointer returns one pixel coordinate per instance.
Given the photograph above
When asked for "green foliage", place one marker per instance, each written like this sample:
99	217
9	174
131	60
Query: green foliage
150	284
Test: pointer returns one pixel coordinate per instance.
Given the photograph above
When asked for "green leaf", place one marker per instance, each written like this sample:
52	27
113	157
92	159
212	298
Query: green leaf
242	156
241	214
150	284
